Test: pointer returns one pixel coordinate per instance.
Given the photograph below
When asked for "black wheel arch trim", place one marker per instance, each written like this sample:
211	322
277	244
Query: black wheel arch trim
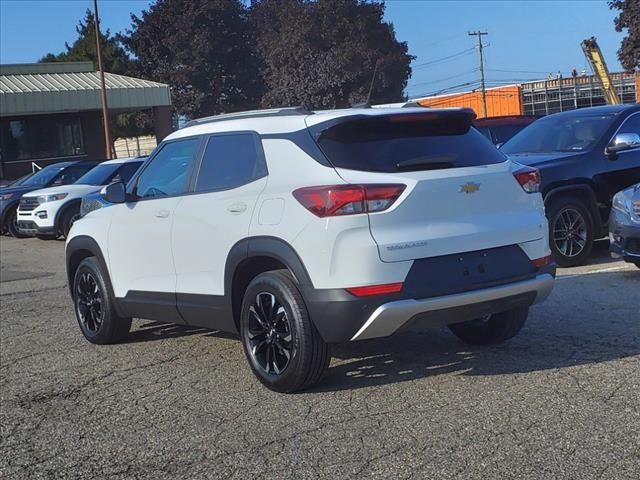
578	188
264	246
89	248
62	211
9	208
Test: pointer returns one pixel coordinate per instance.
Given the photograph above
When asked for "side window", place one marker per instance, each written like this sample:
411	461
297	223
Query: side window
125	172
168	172
230	161
631	125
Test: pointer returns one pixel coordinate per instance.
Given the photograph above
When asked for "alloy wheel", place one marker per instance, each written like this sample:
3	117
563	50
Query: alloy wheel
570	232
269	334
89	303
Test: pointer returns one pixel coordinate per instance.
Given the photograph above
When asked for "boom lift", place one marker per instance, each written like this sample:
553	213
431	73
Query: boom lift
598	65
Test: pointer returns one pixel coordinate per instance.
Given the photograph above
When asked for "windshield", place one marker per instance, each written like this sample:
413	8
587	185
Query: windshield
19	181
559	134
105	174
98	175
41	177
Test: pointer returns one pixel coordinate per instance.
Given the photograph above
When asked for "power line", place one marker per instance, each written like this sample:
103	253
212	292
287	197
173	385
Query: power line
469	72
448	57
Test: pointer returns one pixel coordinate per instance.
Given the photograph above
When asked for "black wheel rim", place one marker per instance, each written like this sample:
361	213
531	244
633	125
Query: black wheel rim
570	232
89	303
268	334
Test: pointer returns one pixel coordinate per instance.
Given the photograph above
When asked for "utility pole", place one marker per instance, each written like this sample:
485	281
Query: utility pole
103	87
479	34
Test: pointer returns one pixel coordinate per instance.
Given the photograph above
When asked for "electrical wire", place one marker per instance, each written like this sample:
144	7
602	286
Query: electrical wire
431	82
443	59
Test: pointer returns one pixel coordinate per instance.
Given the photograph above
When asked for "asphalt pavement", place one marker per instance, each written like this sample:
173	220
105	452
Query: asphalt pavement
561	400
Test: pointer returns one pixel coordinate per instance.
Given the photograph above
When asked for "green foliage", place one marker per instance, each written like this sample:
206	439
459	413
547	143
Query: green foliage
628	19
115	60
114	57
202	49
323	53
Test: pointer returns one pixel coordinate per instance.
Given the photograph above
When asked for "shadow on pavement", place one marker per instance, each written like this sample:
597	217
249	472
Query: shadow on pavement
570	329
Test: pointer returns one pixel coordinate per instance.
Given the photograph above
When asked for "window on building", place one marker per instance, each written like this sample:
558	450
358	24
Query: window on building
41	137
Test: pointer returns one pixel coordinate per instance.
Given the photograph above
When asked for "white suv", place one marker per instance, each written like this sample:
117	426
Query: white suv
297	229
50	212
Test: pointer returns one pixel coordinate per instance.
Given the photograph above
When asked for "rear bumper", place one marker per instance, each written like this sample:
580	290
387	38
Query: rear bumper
436	291
393	316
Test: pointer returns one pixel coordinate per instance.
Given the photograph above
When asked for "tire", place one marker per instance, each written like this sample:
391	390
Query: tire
274	320
68	218
93	305
494	329
12	224
46	237
571	231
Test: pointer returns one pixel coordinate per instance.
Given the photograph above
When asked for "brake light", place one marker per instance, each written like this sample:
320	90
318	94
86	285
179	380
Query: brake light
337	200
541	262
371	290
528	178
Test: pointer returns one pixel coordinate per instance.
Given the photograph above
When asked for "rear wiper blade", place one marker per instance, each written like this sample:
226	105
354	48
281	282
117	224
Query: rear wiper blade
435	162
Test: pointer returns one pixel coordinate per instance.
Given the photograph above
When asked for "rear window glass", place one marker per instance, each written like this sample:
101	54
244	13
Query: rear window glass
396	144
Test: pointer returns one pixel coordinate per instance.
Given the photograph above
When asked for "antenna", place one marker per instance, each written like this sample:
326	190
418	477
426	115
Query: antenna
373	79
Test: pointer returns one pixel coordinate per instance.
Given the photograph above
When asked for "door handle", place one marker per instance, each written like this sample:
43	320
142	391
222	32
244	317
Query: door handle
162	213
237	208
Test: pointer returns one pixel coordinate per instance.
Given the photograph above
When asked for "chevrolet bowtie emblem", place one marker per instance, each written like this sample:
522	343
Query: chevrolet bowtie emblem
469	187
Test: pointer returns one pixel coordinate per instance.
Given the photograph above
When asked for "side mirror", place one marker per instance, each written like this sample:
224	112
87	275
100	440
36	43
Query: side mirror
622	142
114	192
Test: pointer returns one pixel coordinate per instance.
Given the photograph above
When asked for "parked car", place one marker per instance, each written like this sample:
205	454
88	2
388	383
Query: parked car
500	129
299	229
50	212
624	225
585	156
63	173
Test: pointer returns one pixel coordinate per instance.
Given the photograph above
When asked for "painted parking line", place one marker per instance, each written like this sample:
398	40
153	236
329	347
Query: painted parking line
618	268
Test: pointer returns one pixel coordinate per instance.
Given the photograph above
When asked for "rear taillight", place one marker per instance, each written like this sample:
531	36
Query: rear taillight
371	290
528	178
336	200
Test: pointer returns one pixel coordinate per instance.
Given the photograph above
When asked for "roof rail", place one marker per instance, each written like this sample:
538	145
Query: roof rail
412	104
272	112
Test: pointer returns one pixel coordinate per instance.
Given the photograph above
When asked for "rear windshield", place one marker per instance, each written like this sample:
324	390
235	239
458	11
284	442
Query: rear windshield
407	143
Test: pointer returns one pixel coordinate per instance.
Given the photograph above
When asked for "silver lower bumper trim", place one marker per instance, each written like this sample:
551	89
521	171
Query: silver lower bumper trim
388	318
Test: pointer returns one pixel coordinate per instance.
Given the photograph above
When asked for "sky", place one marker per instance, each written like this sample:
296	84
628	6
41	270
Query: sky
527	39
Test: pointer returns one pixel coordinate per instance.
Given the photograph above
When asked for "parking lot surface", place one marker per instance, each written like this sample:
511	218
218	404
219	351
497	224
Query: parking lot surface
561	400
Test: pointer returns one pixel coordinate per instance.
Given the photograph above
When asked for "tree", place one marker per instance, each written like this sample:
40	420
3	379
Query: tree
114	57
202	49
323	53
115	60
628	19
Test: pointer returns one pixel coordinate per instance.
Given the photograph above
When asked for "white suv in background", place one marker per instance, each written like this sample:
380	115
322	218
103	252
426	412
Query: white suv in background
50	212
297	229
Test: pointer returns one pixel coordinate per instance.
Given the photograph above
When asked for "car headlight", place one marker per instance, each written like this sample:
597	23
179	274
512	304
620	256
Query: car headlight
622	203
7	196
51	198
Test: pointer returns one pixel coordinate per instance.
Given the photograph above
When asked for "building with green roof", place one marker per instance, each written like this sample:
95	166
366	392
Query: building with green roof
52	112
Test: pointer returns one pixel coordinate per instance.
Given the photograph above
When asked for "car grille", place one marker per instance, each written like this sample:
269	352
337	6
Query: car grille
636	208
28	203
